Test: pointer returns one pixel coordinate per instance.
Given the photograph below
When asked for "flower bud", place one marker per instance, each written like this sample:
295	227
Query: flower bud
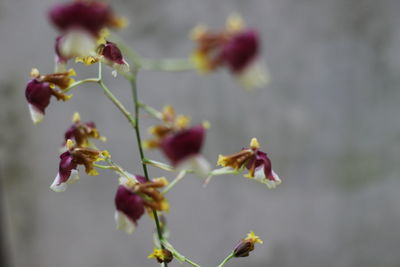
243	249
246	245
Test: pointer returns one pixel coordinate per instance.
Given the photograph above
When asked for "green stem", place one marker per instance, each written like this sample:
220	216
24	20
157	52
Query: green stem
178	255
221	171
117	103
160	165
141	153
177	179
104	166
230	256
107	91
77	83
151	111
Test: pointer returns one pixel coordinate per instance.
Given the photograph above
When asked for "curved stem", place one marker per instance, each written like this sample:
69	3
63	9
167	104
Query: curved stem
160	165
178	255
177	179
77	83
117	103
230	256
141	153
151	111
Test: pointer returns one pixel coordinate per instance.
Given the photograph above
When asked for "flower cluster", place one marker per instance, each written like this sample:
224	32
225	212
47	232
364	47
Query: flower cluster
236	48
84	30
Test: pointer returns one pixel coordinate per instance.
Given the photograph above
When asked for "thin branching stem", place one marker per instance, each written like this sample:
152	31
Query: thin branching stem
141	153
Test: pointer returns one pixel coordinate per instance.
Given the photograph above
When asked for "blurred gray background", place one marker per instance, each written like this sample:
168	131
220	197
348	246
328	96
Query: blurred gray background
330	121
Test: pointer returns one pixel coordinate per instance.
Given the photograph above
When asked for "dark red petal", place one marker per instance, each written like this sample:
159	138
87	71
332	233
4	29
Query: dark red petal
91	16
67	164
241	50
184	144
70	133
112	53
243	249
129	203
38	94
261	160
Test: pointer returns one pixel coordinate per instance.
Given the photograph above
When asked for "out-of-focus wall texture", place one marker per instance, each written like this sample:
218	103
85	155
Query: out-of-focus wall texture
330	121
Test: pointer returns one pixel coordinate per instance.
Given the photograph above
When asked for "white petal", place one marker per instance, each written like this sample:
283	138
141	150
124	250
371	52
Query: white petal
124	223
59	66
259	175
73	178
56	186
128	178
36	115
118	68
198	164
254	76
77	43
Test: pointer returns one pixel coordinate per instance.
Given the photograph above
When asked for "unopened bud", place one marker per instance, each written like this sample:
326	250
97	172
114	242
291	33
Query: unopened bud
243	249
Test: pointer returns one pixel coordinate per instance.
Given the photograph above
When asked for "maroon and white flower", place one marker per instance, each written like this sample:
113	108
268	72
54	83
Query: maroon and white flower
67	173
255	161
40	89
236	48
69	161
183	149
38	95
129	209
135	195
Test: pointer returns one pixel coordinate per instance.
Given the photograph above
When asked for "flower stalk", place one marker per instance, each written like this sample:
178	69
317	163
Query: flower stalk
141	153
84	37
230	256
